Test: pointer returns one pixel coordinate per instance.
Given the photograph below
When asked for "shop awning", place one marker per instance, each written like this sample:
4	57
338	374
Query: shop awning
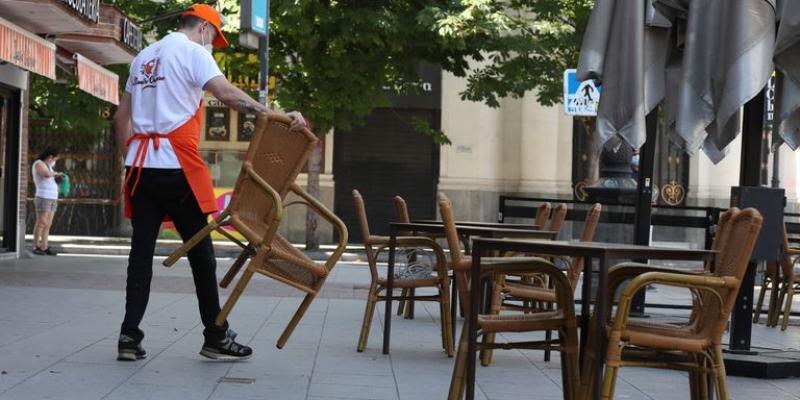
26	50
97	81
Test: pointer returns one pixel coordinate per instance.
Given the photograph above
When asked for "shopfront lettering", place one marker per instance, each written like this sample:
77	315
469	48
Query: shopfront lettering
88	9
131	35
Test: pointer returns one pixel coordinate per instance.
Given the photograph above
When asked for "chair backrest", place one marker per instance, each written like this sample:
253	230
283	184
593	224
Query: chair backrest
542	214
450	231
277	155
734	256
401	214
558	217
361	211
723	230
587	235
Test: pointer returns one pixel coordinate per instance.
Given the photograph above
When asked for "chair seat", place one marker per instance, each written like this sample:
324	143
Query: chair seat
529	292
548	320
411	283
292	264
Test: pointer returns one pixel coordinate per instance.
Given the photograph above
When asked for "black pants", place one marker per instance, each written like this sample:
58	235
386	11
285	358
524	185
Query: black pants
166	192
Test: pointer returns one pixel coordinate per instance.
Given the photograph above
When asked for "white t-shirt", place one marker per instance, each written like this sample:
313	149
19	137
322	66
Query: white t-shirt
166	86
46	187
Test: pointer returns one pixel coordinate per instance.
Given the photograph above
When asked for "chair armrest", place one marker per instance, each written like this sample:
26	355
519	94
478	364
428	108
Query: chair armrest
706	283
512	265
321	210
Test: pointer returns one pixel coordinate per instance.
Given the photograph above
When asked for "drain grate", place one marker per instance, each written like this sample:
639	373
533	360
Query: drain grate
233	379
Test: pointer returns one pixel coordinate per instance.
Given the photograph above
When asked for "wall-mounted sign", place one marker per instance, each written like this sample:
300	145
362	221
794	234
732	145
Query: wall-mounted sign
255	16
131	35
97	81
580	98
247	125
217	124
26	50
88	9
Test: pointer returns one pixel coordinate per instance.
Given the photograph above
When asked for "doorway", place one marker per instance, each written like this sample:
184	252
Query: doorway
9	167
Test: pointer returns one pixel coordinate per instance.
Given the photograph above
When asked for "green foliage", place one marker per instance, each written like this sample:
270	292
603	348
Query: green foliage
333	59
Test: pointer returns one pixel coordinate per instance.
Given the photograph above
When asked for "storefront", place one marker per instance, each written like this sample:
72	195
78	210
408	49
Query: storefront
76	37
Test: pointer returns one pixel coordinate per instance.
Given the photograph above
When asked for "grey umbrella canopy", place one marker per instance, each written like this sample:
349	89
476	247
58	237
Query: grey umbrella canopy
724	62
787	60
624	48
706	57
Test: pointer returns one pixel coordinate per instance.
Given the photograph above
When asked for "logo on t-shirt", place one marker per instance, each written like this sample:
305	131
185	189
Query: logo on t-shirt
148	74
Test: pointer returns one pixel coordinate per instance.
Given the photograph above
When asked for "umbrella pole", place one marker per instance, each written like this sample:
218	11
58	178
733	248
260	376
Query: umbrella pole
644	198
749	175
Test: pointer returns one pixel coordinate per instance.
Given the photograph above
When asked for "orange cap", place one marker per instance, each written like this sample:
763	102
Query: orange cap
213	17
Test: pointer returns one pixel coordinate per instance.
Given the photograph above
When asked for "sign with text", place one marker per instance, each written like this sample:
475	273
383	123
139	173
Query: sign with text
255	16
88	9
131	35
26	50
580	98
97	81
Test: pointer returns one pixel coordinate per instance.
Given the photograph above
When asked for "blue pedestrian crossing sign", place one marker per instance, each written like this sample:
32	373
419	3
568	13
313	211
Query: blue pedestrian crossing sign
580	98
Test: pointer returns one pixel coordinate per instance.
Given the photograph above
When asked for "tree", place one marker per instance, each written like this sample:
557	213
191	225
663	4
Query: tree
333	59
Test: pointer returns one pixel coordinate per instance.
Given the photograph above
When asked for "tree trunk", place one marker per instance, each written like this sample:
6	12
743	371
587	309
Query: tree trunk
314	169
590	125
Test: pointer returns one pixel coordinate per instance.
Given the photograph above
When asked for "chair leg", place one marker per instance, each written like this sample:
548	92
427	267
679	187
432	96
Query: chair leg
189	244
570	377
447	333
234	297
774	305
760	302
489	337
780	306
409	314
609	381
237	265
788	306
372	298
401	305
295	319
718	365
457	381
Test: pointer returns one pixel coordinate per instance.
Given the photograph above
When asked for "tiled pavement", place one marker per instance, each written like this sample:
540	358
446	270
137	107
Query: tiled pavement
59	320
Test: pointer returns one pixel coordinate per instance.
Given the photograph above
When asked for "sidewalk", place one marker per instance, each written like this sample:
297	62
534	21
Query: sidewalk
60	317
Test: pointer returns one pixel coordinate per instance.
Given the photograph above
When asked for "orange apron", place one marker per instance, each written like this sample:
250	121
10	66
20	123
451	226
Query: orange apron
185	141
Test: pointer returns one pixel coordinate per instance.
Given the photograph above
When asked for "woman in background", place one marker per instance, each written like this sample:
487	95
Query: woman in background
46	200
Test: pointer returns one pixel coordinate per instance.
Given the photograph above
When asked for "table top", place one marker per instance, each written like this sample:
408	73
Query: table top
475	230
591	249
479	223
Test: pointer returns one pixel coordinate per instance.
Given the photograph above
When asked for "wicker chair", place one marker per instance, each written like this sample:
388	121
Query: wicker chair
439	281
534	296
695	347
274	158
558	216
789	282
542	214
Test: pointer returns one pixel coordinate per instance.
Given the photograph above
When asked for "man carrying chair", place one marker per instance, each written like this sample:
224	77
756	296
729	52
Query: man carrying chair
158	120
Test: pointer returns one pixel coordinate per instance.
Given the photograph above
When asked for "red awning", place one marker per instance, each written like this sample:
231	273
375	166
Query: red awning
97	81
26	50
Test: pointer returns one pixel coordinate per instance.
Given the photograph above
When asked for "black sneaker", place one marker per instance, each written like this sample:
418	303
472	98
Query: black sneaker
50	252
129	349
38	252
226	350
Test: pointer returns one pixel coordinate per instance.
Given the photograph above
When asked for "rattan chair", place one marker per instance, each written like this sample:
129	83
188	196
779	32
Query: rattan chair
557	218
694	347
275	157
542	214
373	245
789	282
535	296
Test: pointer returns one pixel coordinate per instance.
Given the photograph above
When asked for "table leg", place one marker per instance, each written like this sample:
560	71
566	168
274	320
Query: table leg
472	337
599	331
586	295
387	323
